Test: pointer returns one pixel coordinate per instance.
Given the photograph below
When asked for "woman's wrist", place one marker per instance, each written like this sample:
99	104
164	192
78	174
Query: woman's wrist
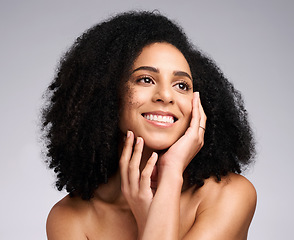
171	176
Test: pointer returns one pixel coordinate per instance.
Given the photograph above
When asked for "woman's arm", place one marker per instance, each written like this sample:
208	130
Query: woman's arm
164	214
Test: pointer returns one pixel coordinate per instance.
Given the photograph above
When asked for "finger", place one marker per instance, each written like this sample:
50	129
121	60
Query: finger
202	119
195	121
125	159
134	164
147	172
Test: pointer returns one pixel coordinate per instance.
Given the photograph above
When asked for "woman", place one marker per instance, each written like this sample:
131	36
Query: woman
125	131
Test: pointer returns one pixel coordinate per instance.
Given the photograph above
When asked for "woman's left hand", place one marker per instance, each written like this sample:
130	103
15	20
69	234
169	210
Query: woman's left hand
179	155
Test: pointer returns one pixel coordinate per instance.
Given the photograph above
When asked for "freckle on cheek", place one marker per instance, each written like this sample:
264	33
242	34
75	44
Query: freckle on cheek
130	97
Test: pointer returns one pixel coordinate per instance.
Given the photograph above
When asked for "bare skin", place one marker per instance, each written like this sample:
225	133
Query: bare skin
215	211
148	198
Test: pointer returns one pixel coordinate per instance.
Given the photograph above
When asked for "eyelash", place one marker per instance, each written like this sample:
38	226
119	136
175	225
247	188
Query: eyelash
143	78
186	85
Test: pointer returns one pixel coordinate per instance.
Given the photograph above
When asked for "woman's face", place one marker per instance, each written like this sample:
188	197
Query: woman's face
158	103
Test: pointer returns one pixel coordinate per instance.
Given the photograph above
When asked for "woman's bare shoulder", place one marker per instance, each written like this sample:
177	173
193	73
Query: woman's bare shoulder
228	205
65	219
233	188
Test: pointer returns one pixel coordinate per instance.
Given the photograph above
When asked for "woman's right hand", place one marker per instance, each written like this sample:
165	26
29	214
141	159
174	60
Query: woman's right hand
180	154
136	186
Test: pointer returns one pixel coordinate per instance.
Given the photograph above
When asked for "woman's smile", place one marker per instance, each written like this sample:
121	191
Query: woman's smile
159	104
160	118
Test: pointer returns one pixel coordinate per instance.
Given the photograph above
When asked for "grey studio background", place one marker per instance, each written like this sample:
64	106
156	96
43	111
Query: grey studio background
251	41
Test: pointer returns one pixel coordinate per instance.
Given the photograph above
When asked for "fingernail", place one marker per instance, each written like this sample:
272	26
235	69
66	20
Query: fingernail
138	140
128	134
196	94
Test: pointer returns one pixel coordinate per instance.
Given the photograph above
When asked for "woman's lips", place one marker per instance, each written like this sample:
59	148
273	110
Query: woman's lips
163	119
159	118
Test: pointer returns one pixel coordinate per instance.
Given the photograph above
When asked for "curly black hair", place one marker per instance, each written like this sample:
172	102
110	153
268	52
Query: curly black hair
81	115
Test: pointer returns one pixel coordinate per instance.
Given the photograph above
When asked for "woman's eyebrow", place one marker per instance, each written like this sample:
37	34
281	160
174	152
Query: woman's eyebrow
153	69
148	68
183	74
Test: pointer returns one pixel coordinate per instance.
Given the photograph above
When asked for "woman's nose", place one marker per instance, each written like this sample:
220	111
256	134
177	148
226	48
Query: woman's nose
163	94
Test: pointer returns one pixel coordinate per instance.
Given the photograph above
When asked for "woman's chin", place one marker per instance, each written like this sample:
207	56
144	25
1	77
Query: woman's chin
158	145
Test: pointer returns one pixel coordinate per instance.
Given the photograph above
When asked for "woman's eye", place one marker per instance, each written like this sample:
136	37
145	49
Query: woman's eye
145	80
183	86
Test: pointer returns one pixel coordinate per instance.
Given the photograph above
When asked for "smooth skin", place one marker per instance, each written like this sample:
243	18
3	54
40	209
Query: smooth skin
148	198
161	82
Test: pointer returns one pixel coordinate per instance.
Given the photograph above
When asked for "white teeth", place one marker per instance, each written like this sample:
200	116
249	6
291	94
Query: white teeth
159	118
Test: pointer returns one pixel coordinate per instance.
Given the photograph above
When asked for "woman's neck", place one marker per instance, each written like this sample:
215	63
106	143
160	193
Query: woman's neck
111	191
